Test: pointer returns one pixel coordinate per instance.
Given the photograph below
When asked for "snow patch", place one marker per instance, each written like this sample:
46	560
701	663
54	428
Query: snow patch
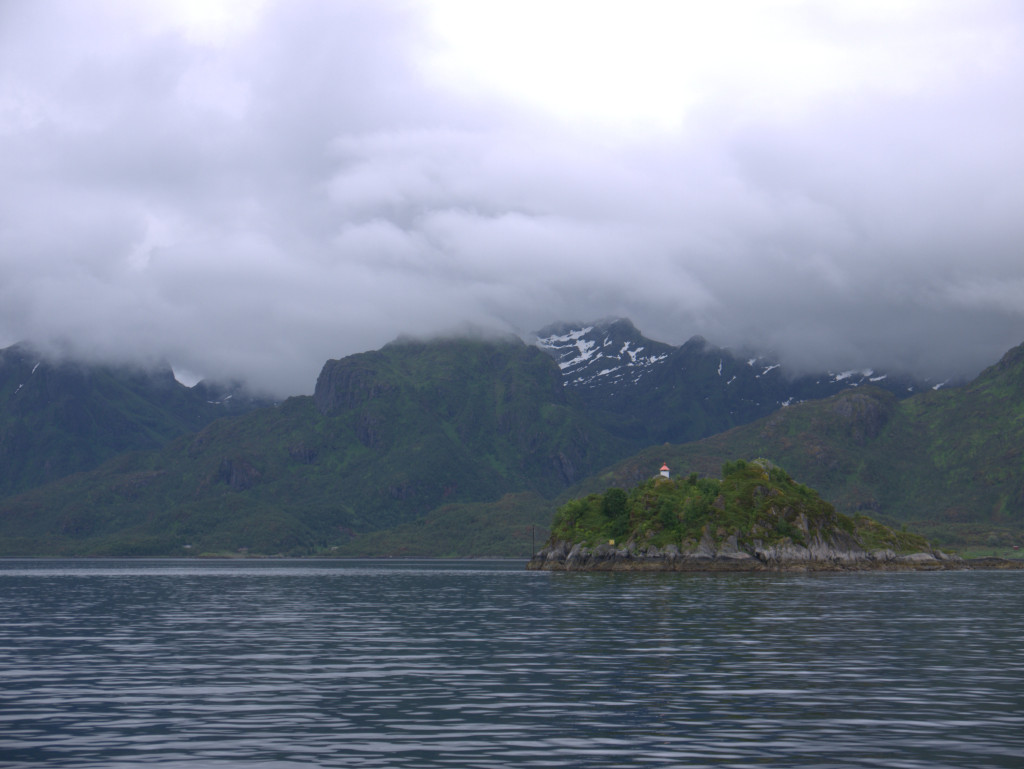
633	353
572	336
847	374
34	368
586	352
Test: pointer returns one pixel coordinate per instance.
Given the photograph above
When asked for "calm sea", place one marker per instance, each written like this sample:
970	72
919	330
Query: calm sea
421	664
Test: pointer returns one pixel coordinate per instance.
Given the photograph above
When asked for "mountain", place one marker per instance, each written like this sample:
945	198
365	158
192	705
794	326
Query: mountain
388	438
466	446
948	463
58	418
651	392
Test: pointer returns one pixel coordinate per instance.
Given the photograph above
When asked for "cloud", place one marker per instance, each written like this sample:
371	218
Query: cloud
249	189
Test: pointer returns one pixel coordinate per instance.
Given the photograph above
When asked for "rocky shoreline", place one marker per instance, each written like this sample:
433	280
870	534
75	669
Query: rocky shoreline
730	556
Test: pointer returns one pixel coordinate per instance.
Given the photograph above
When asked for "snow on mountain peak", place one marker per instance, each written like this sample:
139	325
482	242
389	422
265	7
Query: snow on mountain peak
598	353
610	358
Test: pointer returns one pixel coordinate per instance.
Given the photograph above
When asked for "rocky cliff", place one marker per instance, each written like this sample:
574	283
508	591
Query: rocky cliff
731	556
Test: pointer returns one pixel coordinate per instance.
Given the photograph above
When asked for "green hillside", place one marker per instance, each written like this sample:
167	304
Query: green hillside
65	417
388	437
757	503
948	463
467	447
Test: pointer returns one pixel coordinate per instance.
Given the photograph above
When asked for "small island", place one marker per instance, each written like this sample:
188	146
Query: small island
756	518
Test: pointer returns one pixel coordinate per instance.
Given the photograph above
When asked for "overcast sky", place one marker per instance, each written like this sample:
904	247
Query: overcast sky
249	188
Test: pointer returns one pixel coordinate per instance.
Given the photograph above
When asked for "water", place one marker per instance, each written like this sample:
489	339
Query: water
481	664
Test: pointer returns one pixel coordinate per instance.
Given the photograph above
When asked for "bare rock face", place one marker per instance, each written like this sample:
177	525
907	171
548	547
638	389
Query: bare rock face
920	560
730	555
344	384
238	474
840	549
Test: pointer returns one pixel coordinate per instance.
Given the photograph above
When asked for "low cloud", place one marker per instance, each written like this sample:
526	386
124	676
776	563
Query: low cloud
249	201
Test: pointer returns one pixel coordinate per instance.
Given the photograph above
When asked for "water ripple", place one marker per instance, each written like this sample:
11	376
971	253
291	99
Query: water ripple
422	664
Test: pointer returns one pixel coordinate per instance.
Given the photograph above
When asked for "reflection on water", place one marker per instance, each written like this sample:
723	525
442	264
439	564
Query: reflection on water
483	664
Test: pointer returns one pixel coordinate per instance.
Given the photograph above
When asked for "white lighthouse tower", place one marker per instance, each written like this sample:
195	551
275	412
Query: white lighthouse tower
664	471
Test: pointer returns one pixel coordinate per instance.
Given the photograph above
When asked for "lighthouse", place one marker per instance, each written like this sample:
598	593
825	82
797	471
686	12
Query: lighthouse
664	471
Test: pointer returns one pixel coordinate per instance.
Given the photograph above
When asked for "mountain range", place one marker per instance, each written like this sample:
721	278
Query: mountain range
466	446
653	392
63	417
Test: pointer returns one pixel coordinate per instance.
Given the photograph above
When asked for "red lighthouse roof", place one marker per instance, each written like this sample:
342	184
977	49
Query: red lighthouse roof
664	468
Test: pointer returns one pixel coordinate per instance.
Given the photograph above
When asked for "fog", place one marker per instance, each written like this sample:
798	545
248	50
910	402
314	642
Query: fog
248	189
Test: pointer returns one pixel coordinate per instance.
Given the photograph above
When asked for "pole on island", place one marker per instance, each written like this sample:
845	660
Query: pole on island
533	541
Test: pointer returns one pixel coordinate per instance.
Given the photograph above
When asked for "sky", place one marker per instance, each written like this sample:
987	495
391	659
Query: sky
246	189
